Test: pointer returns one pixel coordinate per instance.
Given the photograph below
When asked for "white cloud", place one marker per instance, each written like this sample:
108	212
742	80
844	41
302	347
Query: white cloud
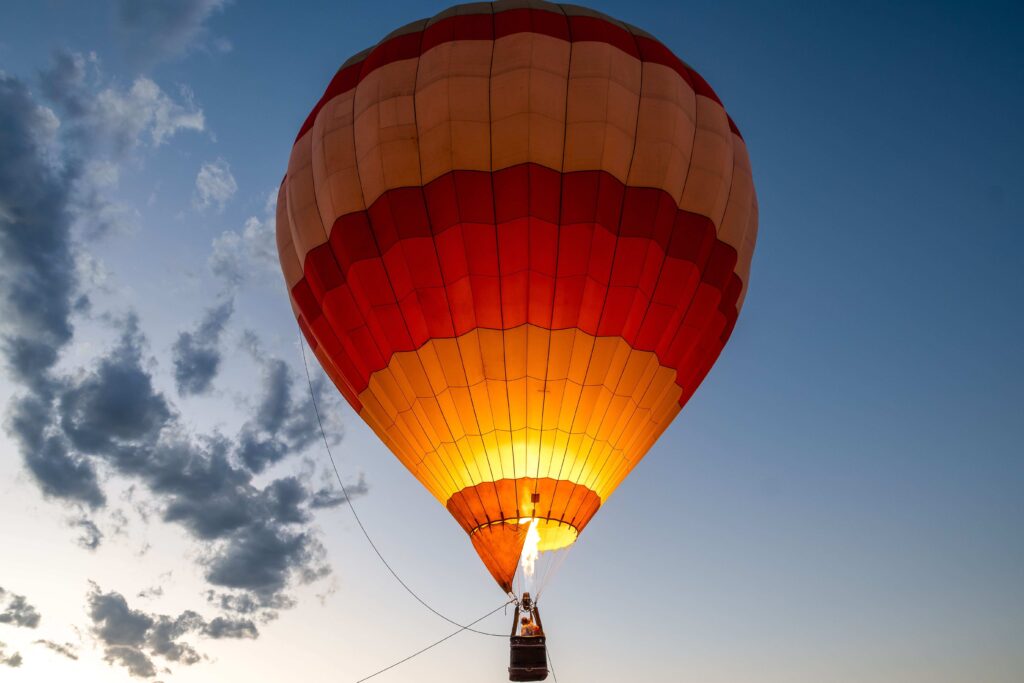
215	185
237	253
158	30
128	117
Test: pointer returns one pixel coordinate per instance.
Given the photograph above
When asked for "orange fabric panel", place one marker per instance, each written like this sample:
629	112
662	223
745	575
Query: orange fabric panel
511	500
499	546
474	409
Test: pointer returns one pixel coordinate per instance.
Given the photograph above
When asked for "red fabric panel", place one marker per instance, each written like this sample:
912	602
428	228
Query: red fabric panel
634	266
531	21
465	27
595	29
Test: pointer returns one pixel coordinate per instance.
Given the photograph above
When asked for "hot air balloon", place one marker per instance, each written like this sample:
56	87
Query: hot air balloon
517	236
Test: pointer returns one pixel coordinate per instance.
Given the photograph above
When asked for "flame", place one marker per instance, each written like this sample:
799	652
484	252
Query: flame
531	548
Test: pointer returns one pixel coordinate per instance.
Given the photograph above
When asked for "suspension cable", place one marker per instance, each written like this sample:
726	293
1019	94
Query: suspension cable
352	507
432	645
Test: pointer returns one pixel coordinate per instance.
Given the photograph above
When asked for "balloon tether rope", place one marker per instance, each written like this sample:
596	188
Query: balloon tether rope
352	507
432	645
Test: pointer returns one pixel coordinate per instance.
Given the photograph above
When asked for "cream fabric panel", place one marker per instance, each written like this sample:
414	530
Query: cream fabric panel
291	267
710	175
737	210
387	150
301	207
453	108
601	113
665	131
335	174
528	88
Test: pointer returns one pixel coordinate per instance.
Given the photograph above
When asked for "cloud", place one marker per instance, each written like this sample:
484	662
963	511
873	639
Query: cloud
37	274
331	497
17	611
133	638
197	355
114	406
91	536
144	111
103	117
163	29
107	415
282	423
67	649
240	255
13	661
215	185
222	627
133	659
151	592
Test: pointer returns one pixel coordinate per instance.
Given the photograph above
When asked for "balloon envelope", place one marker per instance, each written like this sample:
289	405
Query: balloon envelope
517	236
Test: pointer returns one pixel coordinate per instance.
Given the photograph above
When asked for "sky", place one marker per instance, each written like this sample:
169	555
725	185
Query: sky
841	501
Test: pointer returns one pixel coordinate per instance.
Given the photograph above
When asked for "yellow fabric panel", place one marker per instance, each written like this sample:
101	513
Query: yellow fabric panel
482	426
453	107
528	87
387	150
665	130
710	175
601	111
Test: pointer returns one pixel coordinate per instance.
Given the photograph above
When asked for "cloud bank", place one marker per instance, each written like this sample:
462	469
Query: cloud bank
134	638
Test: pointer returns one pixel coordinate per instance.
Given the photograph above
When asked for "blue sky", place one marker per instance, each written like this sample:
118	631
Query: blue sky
841	501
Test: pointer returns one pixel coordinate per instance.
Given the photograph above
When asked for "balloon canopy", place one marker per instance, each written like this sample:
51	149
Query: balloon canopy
517	236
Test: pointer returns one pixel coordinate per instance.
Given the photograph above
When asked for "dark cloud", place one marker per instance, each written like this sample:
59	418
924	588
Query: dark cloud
38	269
260	557
114	622
109	415
66	649
133	659
12	660
223	627
331	497
133	638
90	535
63	83
114	406
283	423
16	611
37	290
162	29
115	415
197	354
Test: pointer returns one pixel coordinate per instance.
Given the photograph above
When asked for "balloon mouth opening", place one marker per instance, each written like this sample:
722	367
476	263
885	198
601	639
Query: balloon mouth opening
552	534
